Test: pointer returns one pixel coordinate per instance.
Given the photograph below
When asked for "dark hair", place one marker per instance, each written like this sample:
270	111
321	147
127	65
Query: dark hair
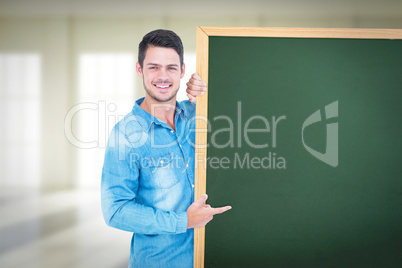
160	38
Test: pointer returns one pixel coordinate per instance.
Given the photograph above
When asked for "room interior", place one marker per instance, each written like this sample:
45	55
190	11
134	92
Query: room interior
67	75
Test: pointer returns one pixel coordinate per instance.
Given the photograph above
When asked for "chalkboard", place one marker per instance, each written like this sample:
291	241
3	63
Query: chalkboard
304	142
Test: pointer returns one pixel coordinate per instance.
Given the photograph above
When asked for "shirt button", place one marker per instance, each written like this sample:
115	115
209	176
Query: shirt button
186	165
180	145
161	161
192	185
171	131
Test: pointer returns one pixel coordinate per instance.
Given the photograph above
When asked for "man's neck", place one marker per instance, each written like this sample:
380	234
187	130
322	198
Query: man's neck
164	111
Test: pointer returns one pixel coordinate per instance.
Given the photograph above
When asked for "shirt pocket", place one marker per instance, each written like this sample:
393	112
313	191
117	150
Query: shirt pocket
162	171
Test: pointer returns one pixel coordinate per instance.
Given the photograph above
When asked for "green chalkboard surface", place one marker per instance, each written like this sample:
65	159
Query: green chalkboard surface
305	145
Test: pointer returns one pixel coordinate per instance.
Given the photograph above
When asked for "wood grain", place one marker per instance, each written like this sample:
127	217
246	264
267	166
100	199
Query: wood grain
304	32
201	141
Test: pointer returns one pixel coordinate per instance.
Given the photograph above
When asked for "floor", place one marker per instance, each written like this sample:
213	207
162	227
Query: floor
57	230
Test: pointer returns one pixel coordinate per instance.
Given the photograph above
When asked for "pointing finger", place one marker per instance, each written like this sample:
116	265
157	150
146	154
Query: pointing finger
221	209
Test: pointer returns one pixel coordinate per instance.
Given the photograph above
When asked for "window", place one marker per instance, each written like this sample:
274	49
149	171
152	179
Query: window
20	120
106	94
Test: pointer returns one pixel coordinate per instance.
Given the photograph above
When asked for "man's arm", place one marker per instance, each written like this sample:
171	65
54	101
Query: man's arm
119	188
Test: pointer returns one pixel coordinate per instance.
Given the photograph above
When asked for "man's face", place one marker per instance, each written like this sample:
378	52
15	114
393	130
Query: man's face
161	73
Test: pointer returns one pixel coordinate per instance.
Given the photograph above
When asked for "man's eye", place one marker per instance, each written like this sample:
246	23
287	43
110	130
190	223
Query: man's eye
152	68
172	68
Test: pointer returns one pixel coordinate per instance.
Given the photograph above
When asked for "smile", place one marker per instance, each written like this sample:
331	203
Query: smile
159	86
163	88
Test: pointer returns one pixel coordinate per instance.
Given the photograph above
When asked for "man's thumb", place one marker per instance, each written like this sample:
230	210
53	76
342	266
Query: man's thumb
202	199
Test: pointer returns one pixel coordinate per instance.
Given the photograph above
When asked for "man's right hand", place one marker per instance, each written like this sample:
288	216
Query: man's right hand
199	214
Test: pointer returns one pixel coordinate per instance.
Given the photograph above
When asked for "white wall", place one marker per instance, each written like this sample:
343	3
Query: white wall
48	38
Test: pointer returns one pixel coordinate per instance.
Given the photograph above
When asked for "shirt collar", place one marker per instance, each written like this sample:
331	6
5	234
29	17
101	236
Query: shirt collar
150	119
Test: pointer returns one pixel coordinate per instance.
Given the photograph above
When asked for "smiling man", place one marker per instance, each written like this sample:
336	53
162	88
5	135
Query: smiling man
160	73
148	174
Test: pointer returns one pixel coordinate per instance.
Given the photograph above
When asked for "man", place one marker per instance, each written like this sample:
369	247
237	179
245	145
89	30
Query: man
148	174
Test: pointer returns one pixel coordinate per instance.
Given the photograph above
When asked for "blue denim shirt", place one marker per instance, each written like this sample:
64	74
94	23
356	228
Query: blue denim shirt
148	184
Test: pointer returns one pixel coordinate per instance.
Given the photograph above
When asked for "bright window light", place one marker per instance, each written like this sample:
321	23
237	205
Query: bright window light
20	120
107	90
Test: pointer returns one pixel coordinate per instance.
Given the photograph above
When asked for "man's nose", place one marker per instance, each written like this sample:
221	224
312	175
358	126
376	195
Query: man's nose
162	74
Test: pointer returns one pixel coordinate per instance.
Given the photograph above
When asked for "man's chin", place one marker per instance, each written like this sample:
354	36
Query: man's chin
164	98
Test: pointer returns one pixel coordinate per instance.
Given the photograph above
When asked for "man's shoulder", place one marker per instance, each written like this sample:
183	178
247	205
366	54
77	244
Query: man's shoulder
130	123
129	131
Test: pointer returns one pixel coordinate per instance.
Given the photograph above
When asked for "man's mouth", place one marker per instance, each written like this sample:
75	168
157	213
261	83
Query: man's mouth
163	87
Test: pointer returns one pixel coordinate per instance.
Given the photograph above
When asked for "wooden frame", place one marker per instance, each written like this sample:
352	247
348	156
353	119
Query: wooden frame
203	34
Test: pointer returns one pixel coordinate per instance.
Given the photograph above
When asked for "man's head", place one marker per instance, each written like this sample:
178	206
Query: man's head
160	38
160	65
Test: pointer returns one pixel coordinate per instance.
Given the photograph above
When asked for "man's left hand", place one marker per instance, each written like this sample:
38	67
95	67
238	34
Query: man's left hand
195	87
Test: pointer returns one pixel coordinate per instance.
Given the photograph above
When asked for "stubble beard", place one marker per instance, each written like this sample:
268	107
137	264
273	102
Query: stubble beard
153	96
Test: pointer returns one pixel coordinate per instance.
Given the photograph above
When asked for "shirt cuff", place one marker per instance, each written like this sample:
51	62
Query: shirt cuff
181	223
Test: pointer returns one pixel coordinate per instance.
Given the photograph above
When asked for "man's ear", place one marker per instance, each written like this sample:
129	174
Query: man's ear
183	69
139	69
